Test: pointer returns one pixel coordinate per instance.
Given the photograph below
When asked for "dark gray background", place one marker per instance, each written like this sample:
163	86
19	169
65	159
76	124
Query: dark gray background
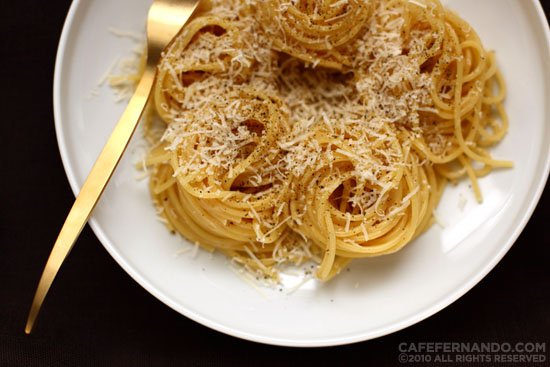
96	314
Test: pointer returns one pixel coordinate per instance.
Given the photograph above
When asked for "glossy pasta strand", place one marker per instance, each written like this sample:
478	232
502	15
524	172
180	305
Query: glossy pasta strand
320	130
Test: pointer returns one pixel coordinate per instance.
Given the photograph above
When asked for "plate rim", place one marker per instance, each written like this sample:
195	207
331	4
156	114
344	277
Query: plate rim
288	342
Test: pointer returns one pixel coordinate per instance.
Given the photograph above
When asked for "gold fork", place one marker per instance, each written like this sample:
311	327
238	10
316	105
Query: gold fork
164	21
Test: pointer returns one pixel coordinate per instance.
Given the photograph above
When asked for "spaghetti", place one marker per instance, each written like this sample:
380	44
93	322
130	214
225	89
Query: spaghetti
320	130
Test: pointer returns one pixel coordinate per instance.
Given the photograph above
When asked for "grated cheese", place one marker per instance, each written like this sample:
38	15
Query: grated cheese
438	219
355	119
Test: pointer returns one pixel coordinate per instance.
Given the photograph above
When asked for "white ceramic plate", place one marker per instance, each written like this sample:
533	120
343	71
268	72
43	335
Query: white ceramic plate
377	296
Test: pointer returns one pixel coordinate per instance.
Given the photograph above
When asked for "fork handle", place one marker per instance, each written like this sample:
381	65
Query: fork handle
92	189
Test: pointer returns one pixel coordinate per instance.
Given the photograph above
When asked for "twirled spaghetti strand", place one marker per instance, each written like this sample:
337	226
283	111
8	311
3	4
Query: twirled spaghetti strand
321	130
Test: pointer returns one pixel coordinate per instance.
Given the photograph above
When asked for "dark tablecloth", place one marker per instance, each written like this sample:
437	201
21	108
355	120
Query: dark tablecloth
95	314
